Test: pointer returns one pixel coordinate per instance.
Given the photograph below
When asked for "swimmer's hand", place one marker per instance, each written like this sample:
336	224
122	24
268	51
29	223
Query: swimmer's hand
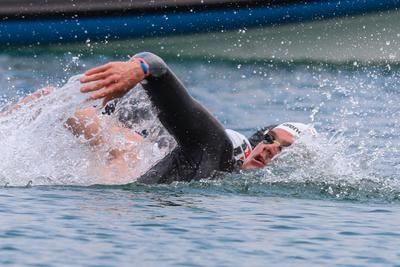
112	80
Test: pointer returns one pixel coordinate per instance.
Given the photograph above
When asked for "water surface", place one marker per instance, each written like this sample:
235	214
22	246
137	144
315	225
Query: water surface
333	200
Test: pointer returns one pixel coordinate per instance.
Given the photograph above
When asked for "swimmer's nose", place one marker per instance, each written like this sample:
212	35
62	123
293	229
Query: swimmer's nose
277	149
271	150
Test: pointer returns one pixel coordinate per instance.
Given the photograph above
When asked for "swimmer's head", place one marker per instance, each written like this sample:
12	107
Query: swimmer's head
241	146
269	142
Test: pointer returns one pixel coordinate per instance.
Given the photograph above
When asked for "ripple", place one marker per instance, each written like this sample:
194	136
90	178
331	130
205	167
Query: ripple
379	211
284	227
290	217
349	233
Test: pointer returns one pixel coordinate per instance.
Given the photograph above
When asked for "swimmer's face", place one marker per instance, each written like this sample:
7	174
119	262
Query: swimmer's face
263	153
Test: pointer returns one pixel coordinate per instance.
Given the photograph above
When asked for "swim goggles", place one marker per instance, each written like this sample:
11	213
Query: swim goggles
270	139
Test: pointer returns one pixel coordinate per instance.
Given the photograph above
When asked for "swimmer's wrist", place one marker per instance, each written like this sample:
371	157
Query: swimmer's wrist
144	66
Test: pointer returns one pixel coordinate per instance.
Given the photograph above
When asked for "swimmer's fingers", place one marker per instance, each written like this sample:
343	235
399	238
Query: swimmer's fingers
118	79
101	68
94	77
97	86
111	92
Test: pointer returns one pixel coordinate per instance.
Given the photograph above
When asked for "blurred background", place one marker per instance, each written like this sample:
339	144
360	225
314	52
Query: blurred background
326	30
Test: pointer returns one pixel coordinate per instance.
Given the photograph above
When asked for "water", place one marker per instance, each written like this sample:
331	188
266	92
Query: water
333	200
146	227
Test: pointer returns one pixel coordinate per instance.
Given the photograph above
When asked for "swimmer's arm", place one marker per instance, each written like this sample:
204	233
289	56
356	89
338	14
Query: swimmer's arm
187	120
85	123
34	96
192	125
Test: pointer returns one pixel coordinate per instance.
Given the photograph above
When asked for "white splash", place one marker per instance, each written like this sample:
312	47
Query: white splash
37	148
327	161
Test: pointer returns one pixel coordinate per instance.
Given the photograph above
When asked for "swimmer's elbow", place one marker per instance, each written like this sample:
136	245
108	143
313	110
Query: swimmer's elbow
74	126
85	123
157	65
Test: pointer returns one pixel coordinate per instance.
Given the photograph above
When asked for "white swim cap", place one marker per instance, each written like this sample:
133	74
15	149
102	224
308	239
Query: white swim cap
241	146
296	128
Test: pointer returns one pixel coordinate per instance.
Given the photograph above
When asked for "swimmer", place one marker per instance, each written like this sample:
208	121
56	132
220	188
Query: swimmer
203	145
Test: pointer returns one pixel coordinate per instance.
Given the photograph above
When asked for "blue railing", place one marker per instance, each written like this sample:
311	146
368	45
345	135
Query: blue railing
26	31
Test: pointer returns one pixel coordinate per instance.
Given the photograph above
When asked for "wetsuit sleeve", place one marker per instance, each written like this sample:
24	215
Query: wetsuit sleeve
193	127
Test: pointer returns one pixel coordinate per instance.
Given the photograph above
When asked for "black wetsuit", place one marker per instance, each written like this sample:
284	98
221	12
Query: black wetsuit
203	147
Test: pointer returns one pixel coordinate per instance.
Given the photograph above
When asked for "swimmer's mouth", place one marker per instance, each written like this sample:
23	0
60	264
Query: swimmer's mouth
260	159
